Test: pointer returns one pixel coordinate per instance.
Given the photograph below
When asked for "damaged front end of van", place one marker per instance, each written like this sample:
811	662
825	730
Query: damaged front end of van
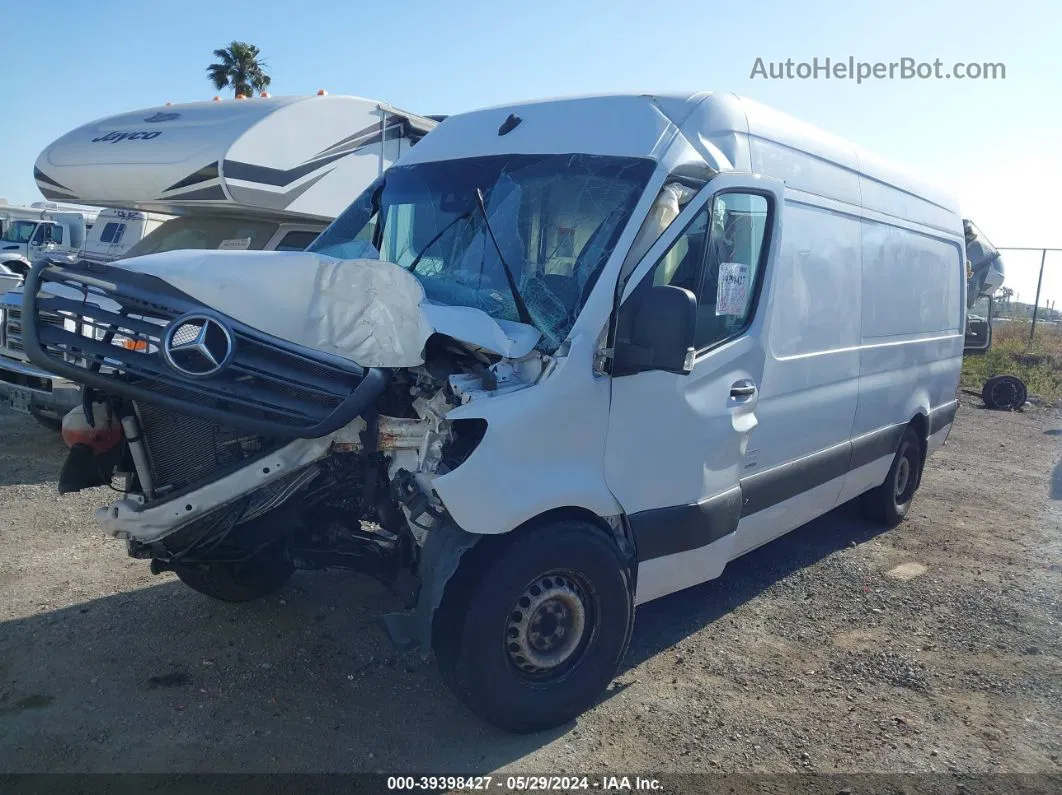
387	402
246	451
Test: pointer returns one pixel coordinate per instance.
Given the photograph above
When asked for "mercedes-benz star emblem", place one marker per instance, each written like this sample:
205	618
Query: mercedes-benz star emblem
197	345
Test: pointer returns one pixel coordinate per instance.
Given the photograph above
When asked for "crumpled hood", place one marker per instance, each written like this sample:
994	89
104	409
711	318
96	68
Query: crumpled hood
371	312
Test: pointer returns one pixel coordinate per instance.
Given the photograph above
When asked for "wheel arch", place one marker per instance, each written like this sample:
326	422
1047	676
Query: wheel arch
483	547
15	259
920	425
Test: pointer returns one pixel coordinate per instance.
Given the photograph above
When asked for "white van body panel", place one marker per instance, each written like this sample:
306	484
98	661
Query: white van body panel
552	434
843	363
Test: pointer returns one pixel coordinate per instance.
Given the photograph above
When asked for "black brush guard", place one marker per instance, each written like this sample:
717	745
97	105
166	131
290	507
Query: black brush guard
269	387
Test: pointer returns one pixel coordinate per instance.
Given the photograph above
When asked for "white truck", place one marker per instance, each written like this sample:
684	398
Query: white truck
564	358
256	174
39	229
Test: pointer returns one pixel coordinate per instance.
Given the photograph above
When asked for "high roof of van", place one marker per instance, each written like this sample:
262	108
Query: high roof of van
727	131
283	157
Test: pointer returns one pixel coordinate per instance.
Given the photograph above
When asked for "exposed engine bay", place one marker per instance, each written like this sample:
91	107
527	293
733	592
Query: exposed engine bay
364	501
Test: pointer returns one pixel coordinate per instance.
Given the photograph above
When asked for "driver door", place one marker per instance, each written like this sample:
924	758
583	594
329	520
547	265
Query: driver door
979	327
36	243
676	441
45	239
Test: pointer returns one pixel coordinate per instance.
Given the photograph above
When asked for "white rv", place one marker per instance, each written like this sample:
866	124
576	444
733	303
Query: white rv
564	358
116	231
256	174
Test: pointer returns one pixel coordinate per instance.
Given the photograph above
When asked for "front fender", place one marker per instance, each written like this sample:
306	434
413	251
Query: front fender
543	449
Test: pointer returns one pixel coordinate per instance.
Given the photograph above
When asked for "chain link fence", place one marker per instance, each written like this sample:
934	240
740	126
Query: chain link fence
1031	296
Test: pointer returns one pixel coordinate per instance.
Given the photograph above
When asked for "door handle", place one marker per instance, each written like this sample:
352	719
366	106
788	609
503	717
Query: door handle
742	390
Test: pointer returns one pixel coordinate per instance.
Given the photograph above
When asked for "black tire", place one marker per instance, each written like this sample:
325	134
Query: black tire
1004	392
576	630
51	423
260	576
890	502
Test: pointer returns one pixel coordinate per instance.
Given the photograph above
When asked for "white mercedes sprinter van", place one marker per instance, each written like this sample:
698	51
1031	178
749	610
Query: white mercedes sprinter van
564	358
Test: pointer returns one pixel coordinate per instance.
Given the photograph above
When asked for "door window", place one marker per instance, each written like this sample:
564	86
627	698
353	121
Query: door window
718	258
296	240
38	236
112	233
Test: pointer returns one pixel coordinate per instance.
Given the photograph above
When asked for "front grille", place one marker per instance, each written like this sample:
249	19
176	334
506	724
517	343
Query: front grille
267	386
12	336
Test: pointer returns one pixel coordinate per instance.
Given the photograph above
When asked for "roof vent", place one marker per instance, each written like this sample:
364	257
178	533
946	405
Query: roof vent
509	124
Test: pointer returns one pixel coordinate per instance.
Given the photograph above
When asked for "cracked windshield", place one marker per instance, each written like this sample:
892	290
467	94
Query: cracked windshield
550	219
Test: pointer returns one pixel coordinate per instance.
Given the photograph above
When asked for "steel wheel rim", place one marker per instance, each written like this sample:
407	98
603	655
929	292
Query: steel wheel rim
903	479
548	626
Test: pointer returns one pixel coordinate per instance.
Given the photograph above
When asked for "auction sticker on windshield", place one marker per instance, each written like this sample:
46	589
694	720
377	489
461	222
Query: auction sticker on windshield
235	244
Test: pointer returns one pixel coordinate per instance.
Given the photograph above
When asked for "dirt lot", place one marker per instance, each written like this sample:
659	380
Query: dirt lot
934	646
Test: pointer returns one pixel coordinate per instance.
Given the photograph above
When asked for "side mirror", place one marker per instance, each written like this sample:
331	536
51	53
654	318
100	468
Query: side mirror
661	333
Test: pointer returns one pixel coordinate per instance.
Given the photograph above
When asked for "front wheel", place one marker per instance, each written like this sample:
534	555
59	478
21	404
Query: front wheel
263	574
890	502
540	631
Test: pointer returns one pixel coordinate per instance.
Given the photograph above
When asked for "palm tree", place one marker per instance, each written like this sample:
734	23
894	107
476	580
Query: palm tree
240	68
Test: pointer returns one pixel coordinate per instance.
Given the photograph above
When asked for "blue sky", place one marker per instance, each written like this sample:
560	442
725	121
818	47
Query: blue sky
994	143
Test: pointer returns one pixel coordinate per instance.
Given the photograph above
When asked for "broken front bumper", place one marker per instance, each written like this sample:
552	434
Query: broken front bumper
130	519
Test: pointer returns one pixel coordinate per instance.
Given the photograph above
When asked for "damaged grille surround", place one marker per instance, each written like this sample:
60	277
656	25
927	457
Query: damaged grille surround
268	386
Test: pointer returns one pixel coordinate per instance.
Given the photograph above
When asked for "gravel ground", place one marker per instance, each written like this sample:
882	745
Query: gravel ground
931	647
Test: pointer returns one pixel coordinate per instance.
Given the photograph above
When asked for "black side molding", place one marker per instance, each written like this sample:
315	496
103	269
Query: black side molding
680	528
781	483
942	416
878	444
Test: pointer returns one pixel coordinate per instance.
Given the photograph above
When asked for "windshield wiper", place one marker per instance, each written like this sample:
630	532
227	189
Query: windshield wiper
416	260
521	307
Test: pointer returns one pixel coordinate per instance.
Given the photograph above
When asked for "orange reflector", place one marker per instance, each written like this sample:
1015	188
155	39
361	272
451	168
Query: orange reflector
321	92
135	345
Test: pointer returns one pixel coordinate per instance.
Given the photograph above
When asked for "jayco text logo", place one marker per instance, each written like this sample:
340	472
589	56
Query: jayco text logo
115	137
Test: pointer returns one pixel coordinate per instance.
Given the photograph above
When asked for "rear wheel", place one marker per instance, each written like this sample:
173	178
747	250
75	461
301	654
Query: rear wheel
261	575
890	502
539	633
